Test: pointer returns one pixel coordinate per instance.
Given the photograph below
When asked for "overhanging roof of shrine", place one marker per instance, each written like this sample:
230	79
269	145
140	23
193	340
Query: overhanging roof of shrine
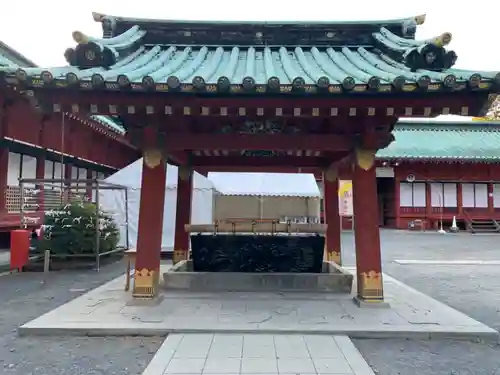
10	60
433	140
258	58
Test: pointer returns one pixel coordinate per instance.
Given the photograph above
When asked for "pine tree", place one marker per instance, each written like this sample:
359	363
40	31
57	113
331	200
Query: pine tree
71	230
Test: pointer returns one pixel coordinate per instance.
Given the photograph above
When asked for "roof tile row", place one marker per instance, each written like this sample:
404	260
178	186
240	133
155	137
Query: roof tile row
479	141
390	63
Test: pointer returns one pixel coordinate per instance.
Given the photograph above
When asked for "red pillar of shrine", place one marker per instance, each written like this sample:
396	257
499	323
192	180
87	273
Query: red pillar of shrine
332	218
4	168
150	227
366	230
183	214
491	200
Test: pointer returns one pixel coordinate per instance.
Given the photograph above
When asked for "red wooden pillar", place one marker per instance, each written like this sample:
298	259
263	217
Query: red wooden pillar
4	168
491	203
367	235
333	251
150	227
428	204
397	201
460	204
183	214
40	175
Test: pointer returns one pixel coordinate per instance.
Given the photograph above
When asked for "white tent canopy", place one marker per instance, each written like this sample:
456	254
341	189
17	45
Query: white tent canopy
204	189
266	184
114	201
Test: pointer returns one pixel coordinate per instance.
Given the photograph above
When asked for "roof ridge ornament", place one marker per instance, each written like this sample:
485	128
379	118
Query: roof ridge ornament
93	52
409	27
108	23
429	54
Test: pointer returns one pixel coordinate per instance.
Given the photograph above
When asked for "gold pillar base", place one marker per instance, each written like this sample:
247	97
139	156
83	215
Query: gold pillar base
180	255
333	256
370	287
146	283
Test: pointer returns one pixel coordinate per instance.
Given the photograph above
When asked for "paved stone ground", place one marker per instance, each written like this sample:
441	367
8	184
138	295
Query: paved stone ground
470	289
25	296
107	311
473	290
234	354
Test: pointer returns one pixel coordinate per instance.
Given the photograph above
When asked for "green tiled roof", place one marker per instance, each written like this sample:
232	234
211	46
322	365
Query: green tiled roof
470	141
10	57
6	61
109	123
389	59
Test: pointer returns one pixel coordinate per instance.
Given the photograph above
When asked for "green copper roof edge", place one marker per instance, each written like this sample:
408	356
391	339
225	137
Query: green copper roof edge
447	128
150	65
395	21
109	123
486	122
433	125
17	55
437	158
102	120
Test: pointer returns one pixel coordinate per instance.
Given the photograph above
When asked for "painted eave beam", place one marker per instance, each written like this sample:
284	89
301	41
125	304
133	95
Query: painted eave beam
261	169
244	162
284	142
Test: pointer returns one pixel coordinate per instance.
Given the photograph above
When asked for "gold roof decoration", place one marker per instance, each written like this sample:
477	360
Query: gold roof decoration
419	20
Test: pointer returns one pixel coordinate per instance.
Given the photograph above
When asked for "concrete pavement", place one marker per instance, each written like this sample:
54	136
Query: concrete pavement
468	288
233	354
109	310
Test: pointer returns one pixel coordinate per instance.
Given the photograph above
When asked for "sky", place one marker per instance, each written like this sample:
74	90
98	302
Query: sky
41	30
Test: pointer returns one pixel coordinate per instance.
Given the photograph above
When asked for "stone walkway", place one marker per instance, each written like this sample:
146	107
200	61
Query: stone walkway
108	310
233	354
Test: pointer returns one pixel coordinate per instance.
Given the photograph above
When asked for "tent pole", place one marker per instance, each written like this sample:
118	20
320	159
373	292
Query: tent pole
215	196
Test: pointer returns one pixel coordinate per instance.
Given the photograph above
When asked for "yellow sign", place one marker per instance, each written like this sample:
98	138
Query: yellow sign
345	198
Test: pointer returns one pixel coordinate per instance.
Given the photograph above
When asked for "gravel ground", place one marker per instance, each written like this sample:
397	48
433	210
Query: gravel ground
474	290
24	297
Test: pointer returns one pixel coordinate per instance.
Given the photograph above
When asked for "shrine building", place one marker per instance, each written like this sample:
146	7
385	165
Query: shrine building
436	170
34	145
259	96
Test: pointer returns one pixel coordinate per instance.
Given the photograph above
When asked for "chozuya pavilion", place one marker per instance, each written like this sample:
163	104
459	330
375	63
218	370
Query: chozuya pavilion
258	96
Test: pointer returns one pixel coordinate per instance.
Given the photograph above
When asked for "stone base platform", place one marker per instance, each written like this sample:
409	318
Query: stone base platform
333	279
108	310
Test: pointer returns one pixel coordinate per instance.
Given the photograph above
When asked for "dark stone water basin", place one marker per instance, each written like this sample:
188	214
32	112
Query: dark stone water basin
257	253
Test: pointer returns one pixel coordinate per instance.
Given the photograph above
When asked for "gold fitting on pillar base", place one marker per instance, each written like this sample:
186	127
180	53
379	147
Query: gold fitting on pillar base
333	256
370	287
146	284
179	255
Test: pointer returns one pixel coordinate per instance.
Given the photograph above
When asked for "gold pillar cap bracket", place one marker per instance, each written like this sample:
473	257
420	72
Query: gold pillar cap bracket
153	157
365	158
